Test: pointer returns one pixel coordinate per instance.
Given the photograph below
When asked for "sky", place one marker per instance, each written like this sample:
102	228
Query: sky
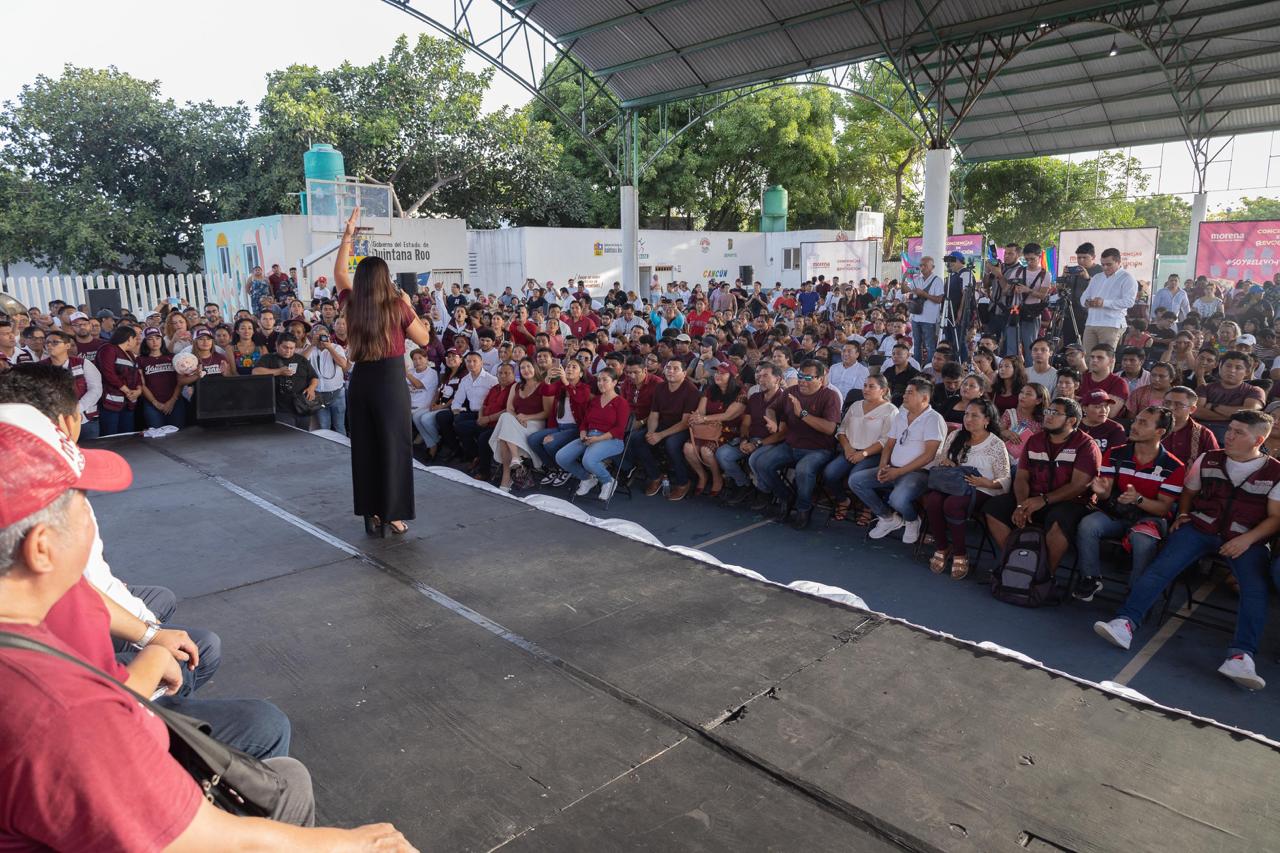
222	52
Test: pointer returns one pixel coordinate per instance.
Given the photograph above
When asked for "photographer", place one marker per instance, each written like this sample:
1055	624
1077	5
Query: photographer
1071	286
329	363
295	382
999	291
957	328
926	296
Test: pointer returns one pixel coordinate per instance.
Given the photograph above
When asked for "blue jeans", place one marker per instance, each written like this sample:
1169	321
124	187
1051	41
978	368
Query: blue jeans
89	430
1095	527
1024	334
560	436
425	422
644	455
333	414
113	423
163	604
903	492
587	460
153	417
836	475
1183	547
925	338
767	462
729	458
254	726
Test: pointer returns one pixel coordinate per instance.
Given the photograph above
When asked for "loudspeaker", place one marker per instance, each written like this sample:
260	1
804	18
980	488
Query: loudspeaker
748	275
103	298
408	282
224	400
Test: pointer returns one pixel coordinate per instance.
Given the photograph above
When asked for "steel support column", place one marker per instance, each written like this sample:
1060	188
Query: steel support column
629	206
937	195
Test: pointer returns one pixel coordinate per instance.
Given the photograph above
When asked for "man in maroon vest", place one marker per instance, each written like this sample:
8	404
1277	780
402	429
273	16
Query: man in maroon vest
1230	505
88	379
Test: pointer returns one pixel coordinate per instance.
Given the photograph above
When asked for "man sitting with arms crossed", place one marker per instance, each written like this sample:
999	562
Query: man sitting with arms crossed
1051	488
84	766
810	413
1102	360
1230	505
1188	438
754	434
1135	489
668	425
1219	401
917	432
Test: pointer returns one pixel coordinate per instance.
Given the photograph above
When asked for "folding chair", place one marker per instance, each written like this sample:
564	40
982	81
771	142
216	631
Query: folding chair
1190	600
614	463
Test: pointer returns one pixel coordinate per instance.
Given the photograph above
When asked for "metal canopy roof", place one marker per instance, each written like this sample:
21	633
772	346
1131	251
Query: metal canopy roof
1007	78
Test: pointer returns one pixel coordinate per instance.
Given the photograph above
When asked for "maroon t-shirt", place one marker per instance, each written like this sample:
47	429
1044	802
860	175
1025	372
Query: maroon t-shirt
825	404
756	404
1178	442
671	406
395	346
1108	434
89	350
158	375
1111	383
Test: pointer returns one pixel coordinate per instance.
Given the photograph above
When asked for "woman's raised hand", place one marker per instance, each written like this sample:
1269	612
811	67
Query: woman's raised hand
350	229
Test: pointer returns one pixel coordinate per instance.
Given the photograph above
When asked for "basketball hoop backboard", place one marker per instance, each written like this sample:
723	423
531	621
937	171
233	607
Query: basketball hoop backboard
329	203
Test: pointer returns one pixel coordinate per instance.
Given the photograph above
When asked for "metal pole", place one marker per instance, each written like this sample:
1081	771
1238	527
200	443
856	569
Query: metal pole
937	189
629	211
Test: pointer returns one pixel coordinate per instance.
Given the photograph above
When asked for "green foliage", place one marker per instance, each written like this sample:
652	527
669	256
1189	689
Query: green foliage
1172	215
1254	207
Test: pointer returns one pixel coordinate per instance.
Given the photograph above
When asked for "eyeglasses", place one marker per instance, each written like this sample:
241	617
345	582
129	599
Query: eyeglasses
1054	413
805	377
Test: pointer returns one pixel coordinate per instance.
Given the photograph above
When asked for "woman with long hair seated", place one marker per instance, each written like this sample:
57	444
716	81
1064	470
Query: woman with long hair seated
975	386
162	400
527	412
975	445
569	396
1011	375
861	436
715	420
446	386
249	346
601	435
1026	419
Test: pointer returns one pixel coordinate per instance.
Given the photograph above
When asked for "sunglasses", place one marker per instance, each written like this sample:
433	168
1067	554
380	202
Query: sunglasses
805	377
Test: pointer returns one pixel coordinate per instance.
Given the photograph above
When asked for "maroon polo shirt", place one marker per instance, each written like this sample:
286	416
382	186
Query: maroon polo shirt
825	404
671	406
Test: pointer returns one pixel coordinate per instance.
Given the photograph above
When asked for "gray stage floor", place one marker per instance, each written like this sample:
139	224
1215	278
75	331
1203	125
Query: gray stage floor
504	677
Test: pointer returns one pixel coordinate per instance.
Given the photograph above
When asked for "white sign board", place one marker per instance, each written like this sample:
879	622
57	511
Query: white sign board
848	259
417	245
1137	248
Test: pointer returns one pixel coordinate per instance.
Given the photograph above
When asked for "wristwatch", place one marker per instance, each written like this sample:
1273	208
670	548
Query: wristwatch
147	636
804	413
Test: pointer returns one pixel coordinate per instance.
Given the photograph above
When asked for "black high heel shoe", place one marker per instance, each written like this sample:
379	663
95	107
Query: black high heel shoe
374	526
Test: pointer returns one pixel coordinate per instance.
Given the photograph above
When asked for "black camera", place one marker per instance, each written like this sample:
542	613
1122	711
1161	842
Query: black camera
324	339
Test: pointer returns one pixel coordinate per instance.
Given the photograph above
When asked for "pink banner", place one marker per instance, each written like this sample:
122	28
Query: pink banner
1231	251
972	246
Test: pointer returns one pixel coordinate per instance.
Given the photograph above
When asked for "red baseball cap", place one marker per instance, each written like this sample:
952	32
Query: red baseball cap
1097	396
728	367
41	462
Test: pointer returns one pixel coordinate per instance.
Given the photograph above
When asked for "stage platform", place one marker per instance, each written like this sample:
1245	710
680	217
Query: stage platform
504	677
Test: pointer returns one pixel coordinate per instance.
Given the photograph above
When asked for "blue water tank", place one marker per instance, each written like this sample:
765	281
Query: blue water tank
322	162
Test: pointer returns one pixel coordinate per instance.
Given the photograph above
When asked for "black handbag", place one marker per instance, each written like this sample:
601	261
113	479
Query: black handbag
232	780
950	479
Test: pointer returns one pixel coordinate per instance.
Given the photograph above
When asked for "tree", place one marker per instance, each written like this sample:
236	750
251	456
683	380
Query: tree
1172	215
413	119
1035	198
1256	207
124	177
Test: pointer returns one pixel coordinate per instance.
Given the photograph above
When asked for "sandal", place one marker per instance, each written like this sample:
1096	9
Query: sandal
959	568
865	517
938	562
841	511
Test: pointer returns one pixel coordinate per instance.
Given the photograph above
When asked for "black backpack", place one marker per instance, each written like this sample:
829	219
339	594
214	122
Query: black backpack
1023	576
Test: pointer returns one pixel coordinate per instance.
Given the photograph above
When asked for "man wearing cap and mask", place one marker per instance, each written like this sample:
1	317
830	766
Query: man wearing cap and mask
87	343
959	278
84	765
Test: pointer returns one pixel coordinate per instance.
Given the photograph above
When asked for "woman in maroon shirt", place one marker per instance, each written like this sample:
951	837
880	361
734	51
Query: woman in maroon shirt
600	438
162	401
379	318
716	420
121	381
527	412
1011	375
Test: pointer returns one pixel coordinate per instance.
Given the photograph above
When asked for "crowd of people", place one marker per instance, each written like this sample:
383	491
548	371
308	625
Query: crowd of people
1078	403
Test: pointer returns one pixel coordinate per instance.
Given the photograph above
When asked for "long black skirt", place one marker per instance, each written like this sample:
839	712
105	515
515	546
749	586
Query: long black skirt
381	440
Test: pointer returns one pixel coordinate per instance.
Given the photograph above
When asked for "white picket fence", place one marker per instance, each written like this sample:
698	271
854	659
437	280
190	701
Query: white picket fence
140	294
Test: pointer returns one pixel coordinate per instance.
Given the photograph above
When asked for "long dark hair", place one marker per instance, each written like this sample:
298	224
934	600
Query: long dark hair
959	444
729	395
1011	386
373	311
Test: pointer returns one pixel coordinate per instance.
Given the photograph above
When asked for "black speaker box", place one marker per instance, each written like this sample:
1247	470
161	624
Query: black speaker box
748	275
103	298
408	282
225	400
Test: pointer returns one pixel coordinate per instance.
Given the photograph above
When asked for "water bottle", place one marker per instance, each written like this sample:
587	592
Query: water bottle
666	487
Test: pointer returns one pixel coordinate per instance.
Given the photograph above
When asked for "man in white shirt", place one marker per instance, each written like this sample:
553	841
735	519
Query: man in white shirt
1040	370
1108	297
489	354
625	323
467	402
917	432
850	373
320	290
1172	298
329	361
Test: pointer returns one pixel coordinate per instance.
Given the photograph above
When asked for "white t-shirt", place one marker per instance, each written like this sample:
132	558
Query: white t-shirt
420	398
909	438
320	292
327	371
934	286
845	379
1237	472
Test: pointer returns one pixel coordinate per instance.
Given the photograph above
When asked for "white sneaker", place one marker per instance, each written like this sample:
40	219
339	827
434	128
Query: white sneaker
885	526
1239	668
607	490
911	532
1118	632
585	487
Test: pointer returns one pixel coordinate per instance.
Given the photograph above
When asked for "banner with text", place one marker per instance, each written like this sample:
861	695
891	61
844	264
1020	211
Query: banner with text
1231	251
972	246
1137	248
848	259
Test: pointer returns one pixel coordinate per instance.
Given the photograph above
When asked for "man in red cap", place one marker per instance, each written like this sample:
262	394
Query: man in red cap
84	766
1097	423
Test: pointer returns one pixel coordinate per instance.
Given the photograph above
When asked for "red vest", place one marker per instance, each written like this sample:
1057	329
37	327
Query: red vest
1225	510
76	365
125	371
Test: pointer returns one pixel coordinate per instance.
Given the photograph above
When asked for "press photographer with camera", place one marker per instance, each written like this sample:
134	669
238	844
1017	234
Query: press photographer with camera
1025	288
329	363
1071	286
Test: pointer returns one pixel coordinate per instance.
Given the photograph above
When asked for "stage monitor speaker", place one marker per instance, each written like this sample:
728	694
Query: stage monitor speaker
748	275
226	400
408	282
103	298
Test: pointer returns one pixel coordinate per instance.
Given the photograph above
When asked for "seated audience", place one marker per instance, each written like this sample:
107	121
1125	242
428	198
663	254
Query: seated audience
861	436
601	435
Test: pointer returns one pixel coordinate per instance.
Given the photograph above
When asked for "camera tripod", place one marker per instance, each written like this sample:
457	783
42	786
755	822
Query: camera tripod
1063	317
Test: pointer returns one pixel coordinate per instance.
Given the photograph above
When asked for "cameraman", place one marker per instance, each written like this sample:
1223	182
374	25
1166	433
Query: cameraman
998	291
1071	286
959	278
1026	288
330	365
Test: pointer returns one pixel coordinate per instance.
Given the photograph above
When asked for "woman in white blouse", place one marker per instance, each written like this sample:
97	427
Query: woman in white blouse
975	445
861	436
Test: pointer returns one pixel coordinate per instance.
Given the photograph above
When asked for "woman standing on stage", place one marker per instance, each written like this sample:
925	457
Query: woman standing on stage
379	317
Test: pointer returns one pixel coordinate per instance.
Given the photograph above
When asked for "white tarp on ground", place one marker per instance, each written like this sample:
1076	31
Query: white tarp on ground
1137	248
